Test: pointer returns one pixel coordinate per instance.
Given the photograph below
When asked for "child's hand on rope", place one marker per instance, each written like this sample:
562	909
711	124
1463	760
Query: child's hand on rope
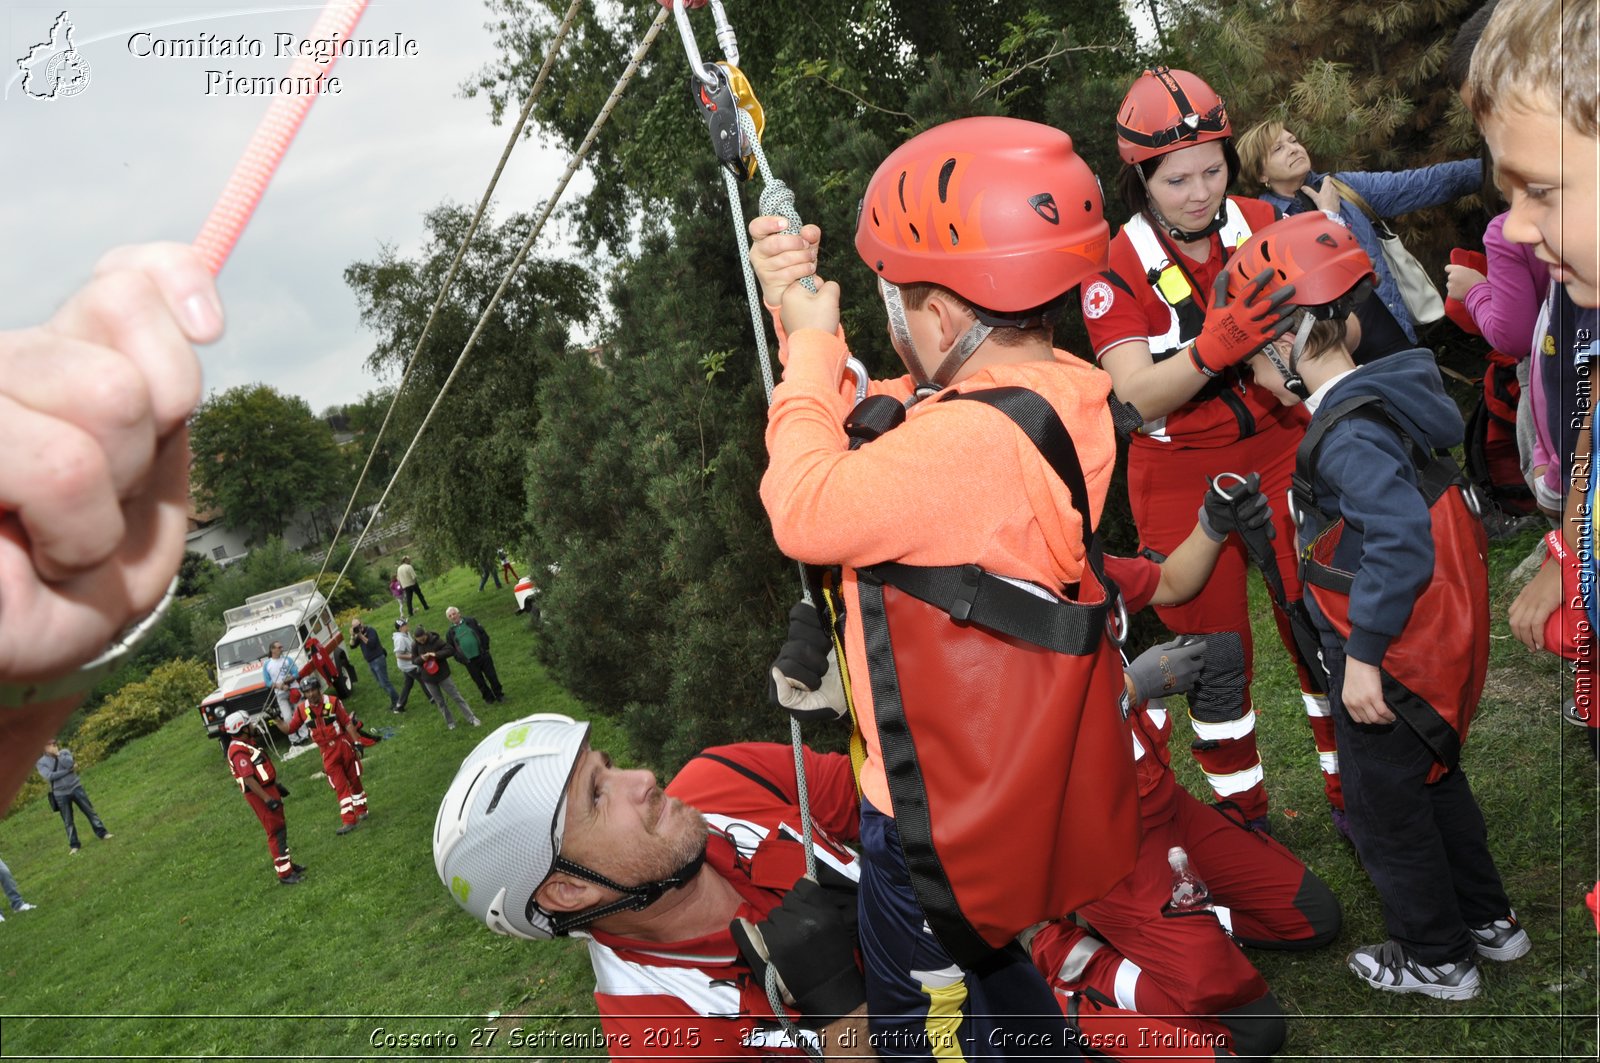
819	310
781	258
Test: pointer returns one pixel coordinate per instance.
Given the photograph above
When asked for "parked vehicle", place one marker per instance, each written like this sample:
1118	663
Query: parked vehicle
290	615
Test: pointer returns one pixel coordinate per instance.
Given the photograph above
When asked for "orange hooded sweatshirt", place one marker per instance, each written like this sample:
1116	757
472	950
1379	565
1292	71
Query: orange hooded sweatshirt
958	483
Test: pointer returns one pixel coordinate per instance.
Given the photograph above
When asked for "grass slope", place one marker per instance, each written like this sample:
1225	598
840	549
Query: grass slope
173	939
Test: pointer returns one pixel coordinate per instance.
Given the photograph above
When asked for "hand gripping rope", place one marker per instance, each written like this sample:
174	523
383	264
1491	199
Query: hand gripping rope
723	97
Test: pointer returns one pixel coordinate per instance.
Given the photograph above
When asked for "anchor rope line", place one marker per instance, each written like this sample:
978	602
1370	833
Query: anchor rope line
445	286
634	62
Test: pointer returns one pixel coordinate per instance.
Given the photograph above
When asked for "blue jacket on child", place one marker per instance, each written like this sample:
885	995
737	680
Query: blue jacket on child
1366	474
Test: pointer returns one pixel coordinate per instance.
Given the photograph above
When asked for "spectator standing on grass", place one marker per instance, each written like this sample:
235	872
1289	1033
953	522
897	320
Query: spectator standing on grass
486	572
398	592
377	659
506	570
14	895
433	658
406	656
61	772
410	585
471	643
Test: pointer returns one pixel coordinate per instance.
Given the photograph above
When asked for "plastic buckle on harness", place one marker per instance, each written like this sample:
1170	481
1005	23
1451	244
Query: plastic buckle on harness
961	608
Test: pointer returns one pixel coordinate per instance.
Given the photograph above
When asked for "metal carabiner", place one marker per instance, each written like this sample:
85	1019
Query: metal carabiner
680	14
1216	483
718	108
855	368
1117	622
725	38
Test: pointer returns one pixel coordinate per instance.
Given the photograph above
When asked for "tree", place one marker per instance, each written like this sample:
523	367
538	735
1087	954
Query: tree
464	483
261	457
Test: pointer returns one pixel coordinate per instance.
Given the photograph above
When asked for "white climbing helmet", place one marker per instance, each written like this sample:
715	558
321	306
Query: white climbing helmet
501	821
237	721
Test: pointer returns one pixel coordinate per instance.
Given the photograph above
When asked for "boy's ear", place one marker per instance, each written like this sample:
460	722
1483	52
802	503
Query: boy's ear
954	319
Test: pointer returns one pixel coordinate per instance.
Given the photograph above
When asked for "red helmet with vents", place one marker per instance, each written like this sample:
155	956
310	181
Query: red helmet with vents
1000	211
1313	251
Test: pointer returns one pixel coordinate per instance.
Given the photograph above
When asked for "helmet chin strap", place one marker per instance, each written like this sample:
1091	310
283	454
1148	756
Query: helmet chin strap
900	335
1172	231
1293	382
633	899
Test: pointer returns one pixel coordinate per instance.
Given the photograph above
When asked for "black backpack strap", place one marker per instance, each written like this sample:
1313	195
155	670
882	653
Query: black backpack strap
748	773
1039	421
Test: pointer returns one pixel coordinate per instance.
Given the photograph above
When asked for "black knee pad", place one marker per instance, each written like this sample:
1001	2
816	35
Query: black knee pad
1218	695
1316	902
1256	1031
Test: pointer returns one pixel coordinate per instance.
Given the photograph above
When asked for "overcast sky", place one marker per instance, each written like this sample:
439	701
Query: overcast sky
142	152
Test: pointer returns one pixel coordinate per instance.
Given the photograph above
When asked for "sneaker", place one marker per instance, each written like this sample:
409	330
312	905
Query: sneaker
26	907
1387	967
291	879
72	851
476	722
1341	823
297	868
107	836
449	727
348	827
1503	939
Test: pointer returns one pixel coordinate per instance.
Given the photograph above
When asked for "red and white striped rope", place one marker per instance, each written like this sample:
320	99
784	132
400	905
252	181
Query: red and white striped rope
272	137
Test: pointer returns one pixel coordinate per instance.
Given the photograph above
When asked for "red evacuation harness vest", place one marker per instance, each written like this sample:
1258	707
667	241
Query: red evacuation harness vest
1000	718
1432	677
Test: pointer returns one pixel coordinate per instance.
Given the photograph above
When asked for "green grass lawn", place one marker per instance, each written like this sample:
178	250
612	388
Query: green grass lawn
174	939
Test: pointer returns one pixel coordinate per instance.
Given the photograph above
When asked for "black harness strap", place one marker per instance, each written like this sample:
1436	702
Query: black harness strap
754	776
980	598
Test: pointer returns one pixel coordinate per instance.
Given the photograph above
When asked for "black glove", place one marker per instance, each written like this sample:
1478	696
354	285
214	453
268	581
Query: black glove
1170	668
274	805
1231	506
811	939
804	680
283	791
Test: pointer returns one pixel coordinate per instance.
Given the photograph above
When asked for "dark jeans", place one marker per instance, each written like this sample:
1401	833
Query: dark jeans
380	675
415	589
488	574
405	688
81	799
481	669
1424	845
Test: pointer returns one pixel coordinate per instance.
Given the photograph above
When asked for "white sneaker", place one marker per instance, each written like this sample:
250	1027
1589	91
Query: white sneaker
26	907
1387	967
1503	939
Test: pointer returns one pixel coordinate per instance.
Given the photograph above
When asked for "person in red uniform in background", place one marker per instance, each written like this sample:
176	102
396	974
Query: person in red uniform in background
258	781
1171	334
323	664
335	734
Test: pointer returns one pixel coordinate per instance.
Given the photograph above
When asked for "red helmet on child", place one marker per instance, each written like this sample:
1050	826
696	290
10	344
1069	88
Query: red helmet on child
1000	211
1166	110
1313	251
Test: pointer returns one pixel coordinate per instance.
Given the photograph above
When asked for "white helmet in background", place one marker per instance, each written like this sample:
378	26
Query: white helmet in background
237	721
501	821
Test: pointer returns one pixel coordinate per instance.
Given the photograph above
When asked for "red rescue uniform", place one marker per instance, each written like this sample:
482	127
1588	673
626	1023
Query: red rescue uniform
1153	990
1232	425
249	761
330	729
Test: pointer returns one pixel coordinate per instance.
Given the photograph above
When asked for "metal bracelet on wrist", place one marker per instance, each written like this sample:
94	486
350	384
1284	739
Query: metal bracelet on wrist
25	695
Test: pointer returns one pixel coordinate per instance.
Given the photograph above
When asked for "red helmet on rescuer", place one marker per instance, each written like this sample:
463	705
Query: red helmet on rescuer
1000	211
1166	110
1313	251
